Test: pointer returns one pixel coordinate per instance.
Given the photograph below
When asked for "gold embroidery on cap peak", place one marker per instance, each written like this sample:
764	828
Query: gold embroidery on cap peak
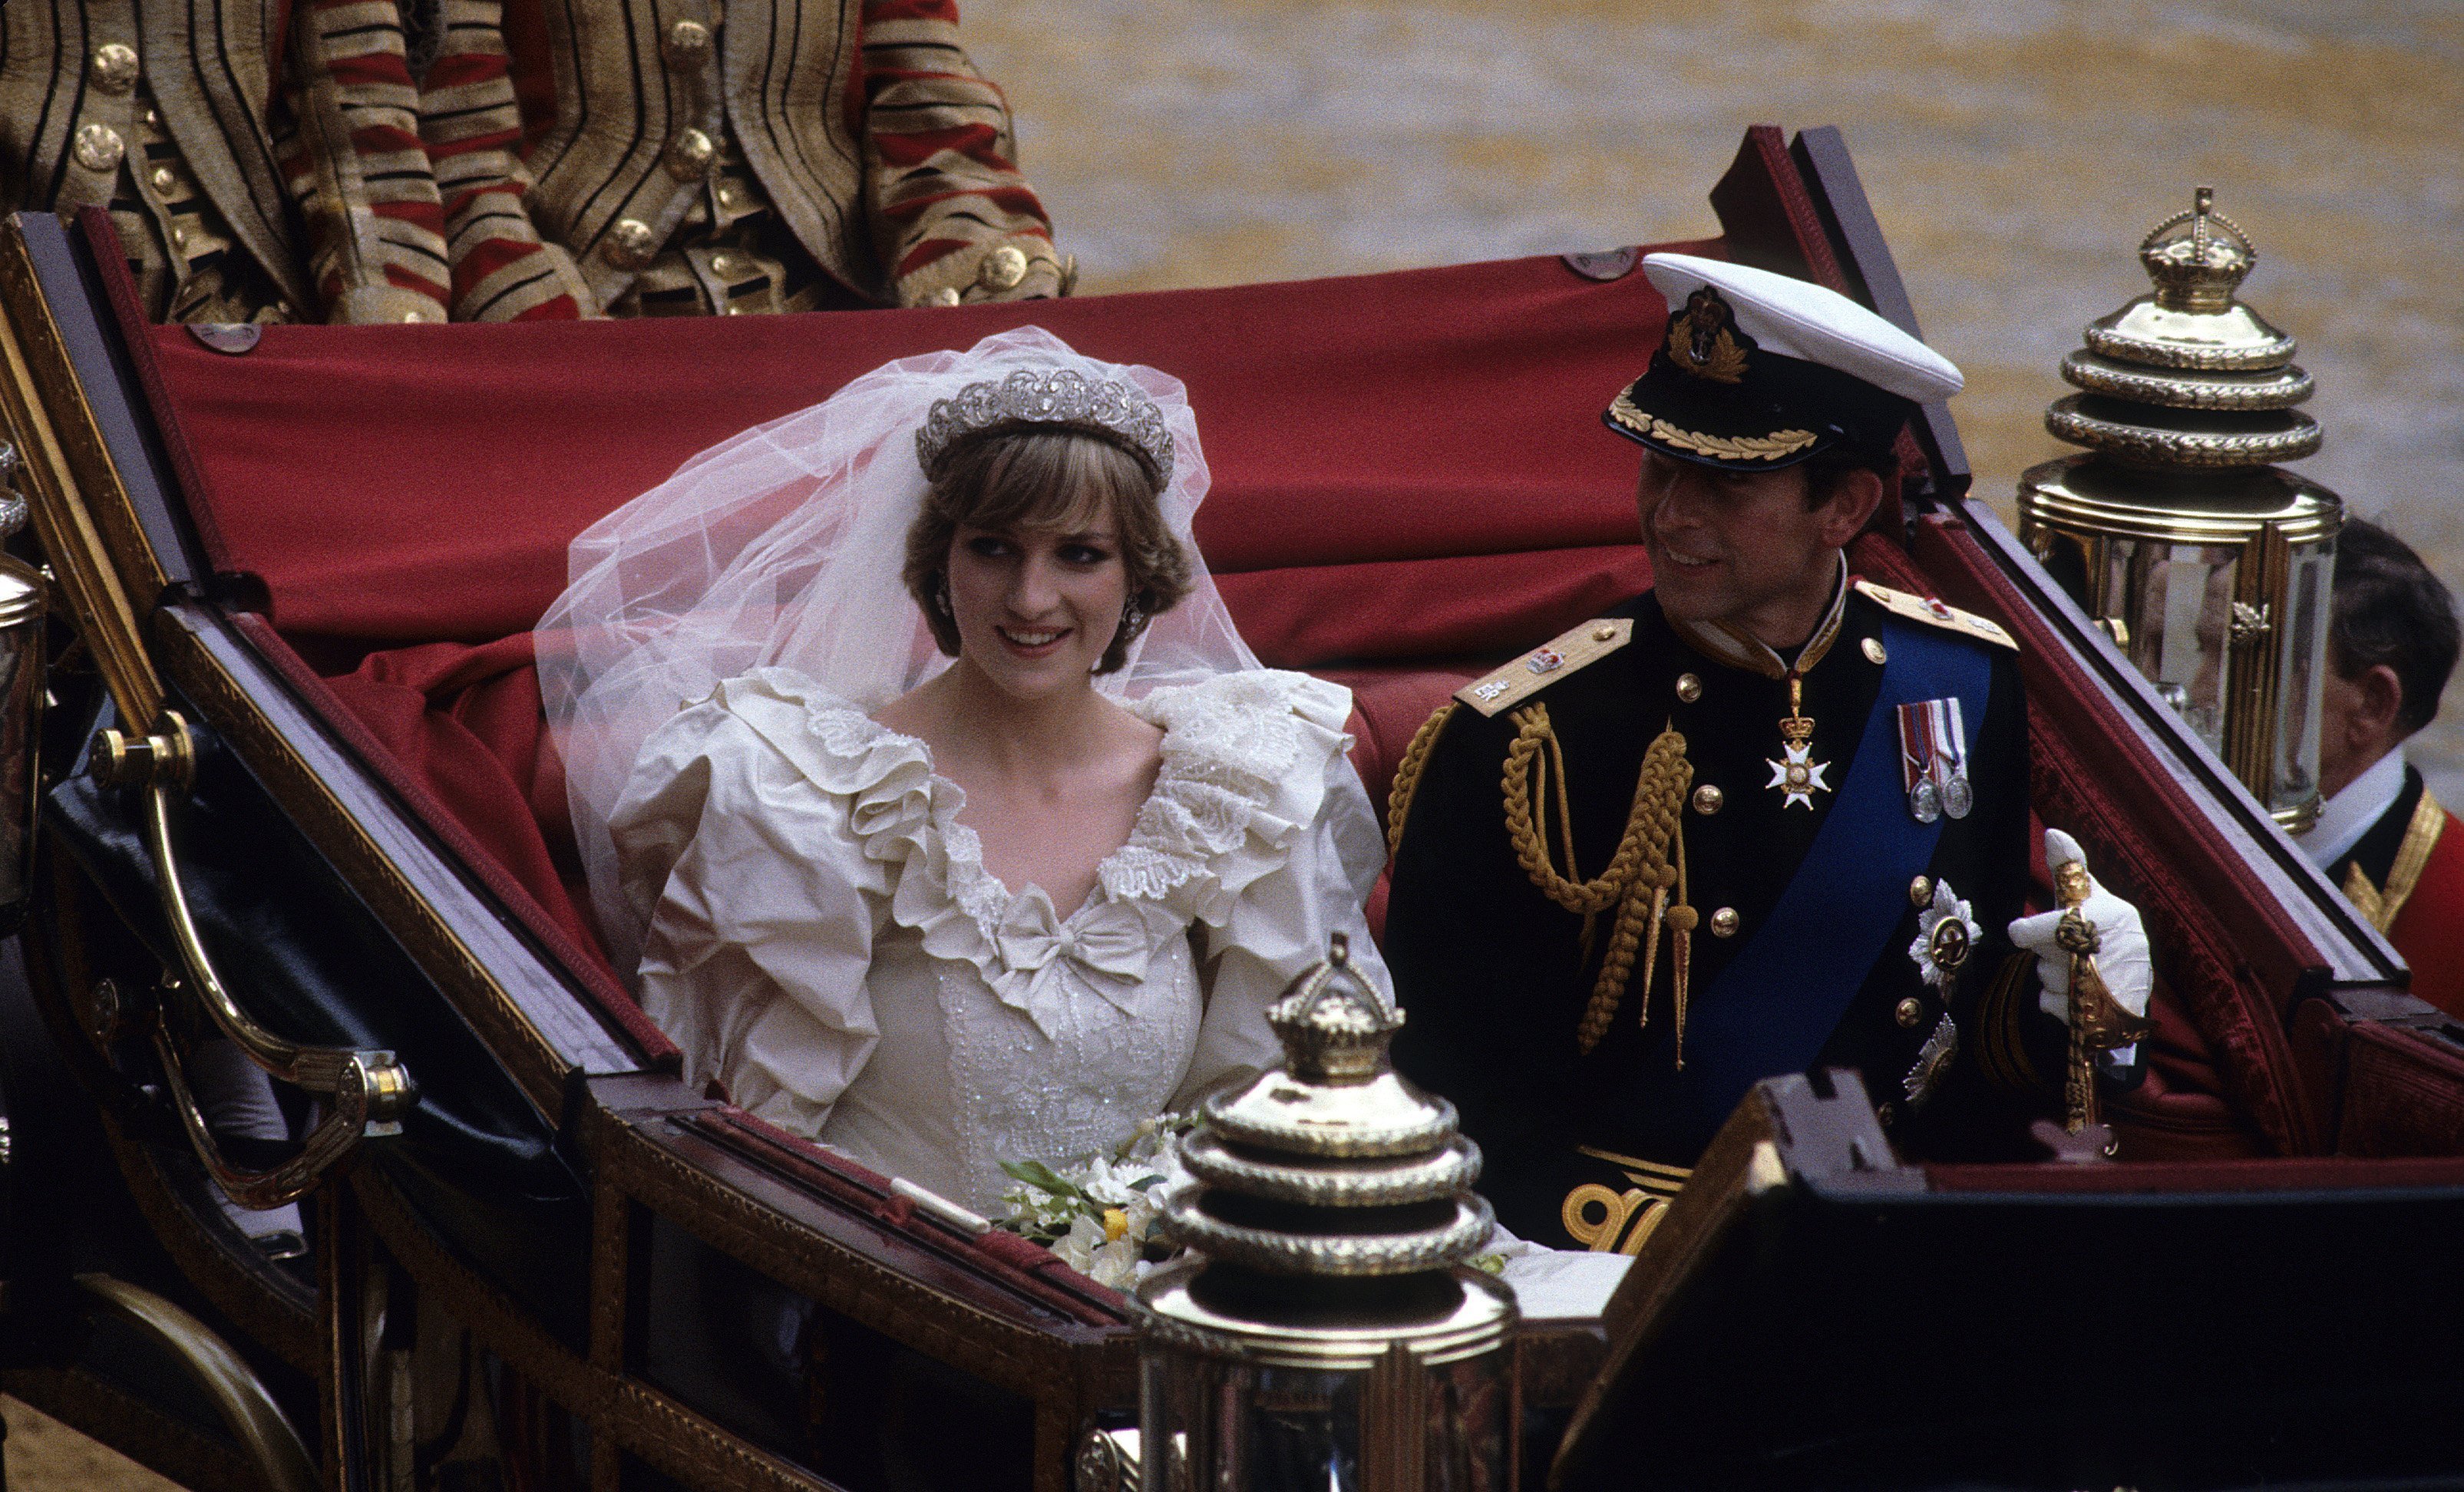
1729	447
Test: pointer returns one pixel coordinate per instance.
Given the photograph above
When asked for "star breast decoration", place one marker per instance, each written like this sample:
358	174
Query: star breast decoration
1797	774
1946	933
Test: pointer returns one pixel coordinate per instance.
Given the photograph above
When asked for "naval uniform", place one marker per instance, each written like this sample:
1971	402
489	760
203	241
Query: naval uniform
1803	913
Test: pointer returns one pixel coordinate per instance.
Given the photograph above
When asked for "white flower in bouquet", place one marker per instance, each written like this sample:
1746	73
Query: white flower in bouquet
1099	1213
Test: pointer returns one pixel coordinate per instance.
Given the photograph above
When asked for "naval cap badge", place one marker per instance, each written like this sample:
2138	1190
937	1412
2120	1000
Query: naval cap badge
1704	340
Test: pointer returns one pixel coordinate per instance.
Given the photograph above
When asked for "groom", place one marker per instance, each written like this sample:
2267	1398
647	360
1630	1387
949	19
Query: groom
1763	819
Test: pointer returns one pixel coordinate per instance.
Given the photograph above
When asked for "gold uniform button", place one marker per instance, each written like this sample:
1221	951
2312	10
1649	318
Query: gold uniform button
1708	799
946	295
1003	269
1604	634
163	180
689	156
1884	1114
113	66
1689	689
100	147
687	43
630	244
1723	922
179	236
1921	891
1874	650
1911	1011
722	264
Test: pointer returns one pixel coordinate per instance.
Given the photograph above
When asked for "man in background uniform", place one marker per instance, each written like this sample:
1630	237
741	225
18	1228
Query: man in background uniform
1763	819
2382	835
372	164
162	120
752	157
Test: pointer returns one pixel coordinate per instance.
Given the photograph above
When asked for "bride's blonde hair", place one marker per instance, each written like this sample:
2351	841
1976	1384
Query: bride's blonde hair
1046	478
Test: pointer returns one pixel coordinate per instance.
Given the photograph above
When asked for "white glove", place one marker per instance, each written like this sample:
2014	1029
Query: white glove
2122	954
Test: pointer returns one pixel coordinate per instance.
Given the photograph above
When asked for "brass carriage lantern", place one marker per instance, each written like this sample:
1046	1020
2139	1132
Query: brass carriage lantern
2210	566
22	607
1324	1335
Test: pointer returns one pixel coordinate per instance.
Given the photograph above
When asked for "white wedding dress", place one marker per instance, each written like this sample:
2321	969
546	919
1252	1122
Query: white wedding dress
822	937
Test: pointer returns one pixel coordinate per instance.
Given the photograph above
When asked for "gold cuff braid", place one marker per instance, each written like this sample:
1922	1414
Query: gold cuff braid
1645	879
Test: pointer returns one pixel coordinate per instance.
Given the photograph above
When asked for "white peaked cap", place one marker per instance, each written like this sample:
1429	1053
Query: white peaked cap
1799	320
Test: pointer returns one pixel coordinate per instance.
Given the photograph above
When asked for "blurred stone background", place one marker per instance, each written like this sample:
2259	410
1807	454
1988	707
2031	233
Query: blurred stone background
2015	150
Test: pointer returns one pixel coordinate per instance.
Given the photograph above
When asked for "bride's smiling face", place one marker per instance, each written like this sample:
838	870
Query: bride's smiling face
1036	607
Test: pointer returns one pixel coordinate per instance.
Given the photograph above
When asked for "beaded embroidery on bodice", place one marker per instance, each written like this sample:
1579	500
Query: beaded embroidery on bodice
1021	1094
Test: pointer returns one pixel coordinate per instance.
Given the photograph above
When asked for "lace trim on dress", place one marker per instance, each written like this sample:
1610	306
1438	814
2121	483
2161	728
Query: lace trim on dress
1246	757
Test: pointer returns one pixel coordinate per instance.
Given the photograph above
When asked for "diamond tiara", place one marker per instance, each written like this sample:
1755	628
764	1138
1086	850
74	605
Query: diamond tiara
1061	396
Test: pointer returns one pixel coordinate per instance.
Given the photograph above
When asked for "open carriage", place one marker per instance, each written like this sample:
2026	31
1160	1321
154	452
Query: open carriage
294	573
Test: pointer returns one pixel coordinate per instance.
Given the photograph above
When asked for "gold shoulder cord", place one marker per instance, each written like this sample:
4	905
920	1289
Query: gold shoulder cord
1407	774
1648	865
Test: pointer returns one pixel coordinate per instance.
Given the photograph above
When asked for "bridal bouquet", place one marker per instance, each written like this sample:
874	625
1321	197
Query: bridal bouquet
1099	1214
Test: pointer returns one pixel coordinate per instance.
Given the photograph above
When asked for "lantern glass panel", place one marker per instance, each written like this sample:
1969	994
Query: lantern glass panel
2177	600
1211	1422
2302	662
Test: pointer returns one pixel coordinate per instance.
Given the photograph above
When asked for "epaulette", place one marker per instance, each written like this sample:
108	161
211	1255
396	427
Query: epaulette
1505	687
1935	613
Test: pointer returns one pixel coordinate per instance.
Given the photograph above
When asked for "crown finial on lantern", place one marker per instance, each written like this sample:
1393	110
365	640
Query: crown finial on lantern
1334	1025
2198	258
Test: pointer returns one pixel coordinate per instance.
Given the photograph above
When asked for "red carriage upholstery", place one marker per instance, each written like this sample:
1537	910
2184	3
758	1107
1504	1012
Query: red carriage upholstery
1410	481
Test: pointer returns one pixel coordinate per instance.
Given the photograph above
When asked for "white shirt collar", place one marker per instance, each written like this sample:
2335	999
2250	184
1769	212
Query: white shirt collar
2343	819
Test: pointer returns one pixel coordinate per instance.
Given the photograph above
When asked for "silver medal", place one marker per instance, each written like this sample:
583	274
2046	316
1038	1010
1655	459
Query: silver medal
1957	796
1925	801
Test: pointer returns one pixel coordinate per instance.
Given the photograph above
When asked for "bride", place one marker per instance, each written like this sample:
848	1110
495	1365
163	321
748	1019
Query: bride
925	787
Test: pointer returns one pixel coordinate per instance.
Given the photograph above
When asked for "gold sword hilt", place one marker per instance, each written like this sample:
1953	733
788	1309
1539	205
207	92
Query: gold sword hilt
2098	1022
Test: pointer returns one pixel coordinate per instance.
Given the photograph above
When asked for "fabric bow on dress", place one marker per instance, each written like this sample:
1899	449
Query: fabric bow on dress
1109	942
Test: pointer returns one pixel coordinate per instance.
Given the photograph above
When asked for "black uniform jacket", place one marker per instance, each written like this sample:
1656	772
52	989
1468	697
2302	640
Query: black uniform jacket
1494	977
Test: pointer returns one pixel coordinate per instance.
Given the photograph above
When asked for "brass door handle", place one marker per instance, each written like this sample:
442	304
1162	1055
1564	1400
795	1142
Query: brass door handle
365	1091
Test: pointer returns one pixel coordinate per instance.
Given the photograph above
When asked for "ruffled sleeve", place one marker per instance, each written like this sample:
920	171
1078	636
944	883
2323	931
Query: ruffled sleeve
1254	810
759	836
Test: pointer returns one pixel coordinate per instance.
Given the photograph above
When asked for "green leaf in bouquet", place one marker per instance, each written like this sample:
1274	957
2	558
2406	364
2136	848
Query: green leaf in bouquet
1036	1173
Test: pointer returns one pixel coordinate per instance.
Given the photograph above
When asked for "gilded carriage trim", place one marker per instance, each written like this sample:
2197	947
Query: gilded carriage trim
2382	907
1725	448
373	871
81	513
686	1164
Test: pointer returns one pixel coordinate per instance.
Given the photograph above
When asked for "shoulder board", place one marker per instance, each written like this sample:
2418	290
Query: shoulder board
1505	687
1934	613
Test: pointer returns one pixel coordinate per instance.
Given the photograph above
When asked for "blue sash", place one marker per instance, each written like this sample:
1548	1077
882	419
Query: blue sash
1784	992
